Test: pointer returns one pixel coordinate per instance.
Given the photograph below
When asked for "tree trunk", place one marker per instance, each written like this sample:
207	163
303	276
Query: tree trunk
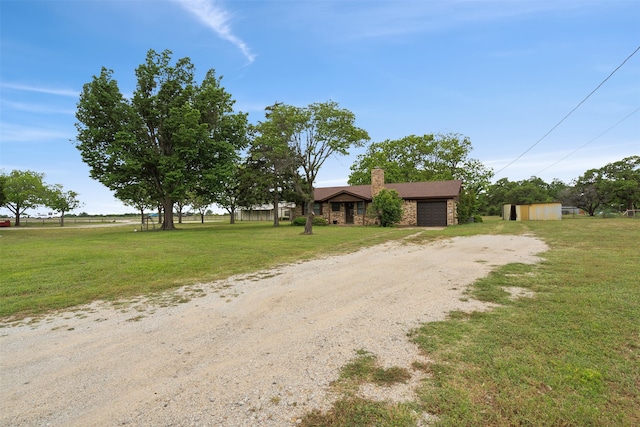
276	202
308	226
232	213
201	218
167	221
141	217
62	219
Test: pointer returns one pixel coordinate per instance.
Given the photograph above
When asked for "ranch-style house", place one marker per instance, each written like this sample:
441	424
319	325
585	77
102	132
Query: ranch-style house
426	204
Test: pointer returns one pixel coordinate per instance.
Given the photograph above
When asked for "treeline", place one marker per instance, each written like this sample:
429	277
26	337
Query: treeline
22	190
614	187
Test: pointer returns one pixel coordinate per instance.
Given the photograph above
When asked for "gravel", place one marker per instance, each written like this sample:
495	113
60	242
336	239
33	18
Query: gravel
253	350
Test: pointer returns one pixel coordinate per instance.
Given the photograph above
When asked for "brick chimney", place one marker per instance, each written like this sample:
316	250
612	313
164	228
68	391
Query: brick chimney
377	180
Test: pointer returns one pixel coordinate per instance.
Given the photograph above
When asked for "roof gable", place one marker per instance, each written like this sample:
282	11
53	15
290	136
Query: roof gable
359	191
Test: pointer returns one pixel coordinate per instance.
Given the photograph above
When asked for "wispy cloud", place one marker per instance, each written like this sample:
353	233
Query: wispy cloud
40	89
35	108
217	18
10	133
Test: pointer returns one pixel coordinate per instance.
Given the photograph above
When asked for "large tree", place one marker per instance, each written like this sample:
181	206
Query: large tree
23	190
174	134
585	193
430	157
314	134
621	181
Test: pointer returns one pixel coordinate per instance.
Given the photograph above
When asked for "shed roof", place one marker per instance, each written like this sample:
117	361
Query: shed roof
407	190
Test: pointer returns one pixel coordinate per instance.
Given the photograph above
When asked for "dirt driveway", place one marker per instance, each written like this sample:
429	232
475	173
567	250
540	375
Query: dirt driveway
257	350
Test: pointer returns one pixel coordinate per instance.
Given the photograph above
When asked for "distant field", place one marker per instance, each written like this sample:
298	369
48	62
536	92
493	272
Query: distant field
116	219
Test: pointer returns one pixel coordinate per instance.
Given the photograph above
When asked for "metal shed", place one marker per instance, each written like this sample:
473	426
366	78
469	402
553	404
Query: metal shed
532	212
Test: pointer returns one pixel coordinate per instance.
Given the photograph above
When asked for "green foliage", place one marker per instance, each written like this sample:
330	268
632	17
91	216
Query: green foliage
172	138
532	190
312	135
61	201
467	206
301	221
22	190
422	158
386	207
621	182
3	183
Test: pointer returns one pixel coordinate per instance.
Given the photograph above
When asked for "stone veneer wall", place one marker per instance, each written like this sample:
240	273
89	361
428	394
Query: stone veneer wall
452	215
410	214
377	181
409	217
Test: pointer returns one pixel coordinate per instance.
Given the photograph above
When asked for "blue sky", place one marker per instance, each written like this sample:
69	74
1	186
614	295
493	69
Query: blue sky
502	73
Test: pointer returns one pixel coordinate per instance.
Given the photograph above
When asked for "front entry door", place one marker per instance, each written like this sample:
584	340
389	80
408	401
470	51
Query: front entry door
348	213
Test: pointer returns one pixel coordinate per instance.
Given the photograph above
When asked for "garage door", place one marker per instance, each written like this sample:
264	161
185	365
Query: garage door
432	214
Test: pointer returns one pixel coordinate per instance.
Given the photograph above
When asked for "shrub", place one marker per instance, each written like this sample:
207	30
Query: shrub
386	207
302	220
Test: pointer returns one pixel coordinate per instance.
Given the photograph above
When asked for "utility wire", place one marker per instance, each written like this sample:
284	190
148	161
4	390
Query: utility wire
570	112
581	147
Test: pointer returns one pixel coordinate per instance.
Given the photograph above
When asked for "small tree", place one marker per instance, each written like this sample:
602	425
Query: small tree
467	207
61	201
386	207
137	195
22	190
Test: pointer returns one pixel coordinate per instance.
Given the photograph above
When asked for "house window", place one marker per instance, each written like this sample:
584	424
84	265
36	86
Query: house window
335	207
360	207
317	208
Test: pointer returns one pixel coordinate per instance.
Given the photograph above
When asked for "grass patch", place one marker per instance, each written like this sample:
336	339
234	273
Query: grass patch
365	368
569	356
57	268
357	412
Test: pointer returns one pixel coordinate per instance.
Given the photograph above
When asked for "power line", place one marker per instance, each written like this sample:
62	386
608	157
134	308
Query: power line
570	112
581	147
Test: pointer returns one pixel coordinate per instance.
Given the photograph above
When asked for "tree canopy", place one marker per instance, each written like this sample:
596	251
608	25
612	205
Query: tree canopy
523	192
174	135
22	190
615	185
430	157
61	201
312	135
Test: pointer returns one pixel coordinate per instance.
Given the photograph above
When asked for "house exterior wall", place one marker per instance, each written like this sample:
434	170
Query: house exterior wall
409	216
452	212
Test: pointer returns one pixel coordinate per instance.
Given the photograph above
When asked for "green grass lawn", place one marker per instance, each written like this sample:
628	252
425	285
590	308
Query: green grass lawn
569	356
56	268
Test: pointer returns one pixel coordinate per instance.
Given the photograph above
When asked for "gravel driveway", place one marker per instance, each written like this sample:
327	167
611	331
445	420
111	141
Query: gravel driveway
256	350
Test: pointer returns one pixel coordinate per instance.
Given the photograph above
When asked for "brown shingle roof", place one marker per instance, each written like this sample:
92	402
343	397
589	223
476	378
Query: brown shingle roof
408	190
